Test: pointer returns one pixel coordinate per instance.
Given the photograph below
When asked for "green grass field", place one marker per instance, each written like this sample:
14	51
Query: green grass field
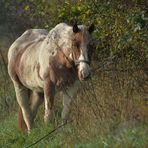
134	136
109	112
102	118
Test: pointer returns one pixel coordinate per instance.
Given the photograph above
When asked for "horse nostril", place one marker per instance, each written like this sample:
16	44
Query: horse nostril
84	75
88	77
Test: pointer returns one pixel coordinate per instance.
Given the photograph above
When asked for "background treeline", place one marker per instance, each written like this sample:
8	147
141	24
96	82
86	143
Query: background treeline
121	26
111	108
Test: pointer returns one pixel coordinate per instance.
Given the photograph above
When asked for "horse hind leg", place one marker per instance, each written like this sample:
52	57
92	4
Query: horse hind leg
22	95
36	100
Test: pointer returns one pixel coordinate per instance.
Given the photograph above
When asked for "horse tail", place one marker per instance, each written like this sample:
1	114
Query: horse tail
21	123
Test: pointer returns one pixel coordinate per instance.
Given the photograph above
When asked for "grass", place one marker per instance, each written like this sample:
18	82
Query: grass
112	114
125	135
106	120
135	137
10	136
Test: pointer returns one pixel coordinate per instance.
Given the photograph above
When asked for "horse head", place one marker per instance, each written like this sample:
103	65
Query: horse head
81	51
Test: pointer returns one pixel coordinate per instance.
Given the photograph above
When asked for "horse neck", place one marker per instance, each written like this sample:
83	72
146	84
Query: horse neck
49	48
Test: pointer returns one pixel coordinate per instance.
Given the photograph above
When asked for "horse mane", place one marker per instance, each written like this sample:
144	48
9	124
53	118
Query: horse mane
61	35
58	38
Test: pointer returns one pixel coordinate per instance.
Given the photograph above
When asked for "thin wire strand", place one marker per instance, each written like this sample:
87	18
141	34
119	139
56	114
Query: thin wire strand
48	134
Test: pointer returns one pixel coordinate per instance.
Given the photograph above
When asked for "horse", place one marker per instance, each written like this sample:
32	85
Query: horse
42	62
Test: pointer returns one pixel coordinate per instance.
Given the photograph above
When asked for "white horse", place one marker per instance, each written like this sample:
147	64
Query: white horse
40	62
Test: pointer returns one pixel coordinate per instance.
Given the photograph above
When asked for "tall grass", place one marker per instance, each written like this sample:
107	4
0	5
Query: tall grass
110	111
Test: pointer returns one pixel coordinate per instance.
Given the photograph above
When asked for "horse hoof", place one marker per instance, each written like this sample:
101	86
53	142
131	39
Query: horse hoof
46	119
28	132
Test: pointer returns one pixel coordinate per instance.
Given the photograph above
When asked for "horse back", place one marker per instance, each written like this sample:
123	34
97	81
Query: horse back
28	37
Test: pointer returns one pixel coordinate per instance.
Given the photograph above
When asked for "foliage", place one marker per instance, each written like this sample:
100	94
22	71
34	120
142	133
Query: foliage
121	31
30	13
114	111
121	27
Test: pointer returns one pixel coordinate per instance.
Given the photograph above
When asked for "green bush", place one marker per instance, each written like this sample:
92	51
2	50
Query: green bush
121	27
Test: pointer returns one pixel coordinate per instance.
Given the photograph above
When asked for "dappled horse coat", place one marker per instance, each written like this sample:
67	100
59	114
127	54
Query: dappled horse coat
39	63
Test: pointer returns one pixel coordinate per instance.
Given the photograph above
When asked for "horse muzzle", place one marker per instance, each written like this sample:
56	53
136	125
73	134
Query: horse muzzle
84	73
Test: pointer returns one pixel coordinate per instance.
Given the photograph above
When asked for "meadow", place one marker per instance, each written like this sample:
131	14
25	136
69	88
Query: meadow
111	108
109	111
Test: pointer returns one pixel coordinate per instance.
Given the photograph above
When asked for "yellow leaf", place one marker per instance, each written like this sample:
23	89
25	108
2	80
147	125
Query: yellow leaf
27	8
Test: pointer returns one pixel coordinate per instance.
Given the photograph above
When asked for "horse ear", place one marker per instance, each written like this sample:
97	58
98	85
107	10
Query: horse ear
75	28
91	28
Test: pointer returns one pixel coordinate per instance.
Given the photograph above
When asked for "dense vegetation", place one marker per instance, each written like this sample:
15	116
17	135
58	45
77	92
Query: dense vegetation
113	113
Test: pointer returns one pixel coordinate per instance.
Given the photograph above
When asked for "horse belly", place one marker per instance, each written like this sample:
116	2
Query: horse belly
29	71
30	79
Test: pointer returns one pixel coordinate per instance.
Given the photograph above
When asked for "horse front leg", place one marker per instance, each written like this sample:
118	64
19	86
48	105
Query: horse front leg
49	91
36	101
68	96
